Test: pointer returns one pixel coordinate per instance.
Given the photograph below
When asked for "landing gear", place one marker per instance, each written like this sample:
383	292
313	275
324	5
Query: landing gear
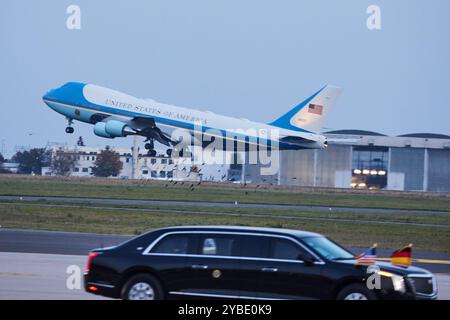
69	128
150	146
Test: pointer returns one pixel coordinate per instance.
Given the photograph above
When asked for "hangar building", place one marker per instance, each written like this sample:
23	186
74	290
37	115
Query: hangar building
366	160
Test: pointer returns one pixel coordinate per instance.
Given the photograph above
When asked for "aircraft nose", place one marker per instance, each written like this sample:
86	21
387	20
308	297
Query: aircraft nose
47	95
51	95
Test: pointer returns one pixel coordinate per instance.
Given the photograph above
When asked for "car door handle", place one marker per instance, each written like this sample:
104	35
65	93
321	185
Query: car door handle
199	266
269	269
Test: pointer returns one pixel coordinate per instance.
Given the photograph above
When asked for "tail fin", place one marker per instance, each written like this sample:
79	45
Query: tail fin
311	113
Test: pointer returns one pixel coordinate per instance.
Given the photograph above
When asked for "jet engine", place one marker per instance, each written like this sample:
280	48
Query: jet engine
111	129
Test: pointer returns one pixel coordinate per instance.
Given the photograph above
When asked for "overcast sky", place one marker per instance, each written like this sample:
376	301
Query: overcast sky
254	59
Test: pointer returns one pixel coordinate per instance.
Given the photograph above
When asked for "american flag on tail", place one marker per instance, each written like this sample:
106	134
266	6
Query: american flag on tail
315	108
367	257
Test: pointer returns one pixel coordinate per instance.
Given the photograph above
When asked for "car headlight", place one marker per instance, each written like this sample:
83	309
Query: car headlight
398	282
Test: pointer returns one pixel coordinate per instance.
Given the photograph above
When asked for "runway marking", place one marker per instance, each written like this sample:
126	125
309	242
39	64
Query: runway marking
17	274
422	261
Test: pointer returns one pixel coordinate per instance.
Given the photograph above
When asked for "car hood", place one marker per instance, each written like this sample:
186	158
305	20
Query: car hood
386	266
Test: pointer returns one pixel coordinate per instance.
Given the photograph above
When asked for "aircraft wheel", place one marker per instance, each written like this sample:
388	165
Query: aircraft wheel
70	130
149	146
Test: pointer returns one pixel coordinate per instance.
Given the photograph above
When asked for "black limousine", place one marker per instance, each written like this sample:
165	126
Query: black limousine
246	263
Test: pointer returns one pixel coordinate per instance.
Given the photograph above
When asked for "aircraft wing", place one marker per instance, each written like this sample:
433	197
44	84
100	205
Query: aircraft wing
146	126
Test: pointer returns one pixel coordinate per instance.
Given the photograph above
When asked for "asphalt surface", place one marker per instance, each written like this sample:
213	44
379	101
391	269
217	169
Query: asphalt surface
72	243
218	204
34	264
31	276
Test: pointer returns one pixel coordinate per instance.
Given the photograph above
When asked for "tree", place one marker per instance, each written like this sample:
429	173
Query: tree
1	159
80	142
32	161
63	162
107	164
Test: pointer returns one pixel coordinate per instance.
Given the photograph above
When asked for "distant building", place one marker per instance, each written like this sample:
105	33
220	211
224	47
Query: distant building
367	160
10	166
156	168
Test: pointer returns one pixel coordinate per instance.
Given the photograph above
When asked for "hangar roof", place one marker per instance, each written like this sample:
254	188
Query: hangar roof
425	135
356	132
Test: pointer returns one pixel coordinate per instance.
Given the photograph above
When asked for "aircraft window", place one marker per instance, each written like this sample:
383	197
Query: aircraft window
285	249
177	244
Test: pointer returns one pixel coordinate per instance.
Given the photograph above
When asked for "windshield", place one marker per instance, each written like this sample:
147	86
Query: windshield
327	248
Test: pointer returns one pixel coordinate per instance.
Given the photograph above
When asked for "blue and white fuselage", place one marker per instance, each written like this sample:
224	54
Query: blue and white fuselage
115	114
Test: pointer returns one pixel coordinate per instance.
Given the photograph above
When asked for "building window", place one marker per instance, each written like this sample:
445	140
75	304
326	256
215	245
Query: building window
153	161
154	174
162	174
85	170
128	160
76	170
163	161
87	158
170	174
144	171
170	161
369	167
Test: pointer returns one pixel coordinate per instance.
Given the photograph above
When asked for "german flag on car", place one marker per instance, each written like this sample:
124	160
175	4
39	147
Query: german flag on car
402	257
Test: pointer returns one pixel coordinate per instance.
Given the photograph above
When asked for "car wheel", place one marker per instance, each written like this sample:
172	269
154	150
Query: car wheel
356	291
142	287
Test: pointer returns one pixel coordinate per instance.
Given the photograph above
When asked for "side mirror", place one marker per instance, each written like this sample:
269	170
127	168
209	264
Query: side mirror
307	259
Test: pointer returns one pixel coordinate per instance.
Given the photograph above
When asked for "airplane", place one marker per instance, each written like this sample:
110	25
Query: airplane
115	114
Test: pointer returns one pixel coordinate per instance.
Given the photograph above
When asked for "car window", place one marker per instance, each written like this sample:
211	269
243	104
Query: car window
176	244
286	250
234	245
327	248
251	246
217	245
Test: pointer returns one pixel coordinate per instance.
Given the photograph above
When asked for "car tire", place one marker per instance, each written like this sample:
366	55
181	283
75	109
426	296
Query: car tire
356	291
142	286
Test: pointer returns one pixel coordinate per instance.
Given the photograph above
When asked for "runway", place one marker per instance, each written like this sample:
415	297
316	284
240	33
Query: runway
31	276
217	204
33	264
